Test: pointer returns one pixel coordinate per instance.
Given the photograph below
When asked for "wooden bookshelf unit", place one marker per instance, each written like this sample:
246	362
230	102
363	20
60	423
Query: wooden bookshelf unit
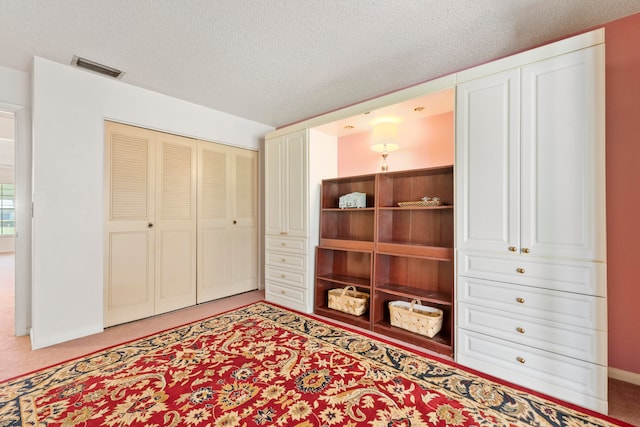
393	253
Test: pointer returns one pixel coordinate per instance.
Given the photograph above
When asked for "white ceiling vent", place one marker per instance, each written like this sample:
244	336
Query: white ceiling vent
96	68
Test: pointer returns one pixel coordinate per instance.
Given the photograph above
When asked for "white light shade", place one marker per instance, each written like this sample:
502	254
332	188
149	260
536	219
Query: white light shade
384	137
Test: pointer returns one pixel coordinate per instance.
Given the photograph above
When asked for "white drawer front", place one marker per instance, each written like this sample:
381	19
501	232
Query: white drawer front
286	244
562	307
294	278
550	373
567	340
286	260
291	297
571	276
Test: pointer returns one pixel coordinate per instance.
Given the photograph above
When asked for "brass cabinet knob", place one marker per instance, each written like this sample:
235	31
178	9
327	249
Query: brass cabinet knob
521	330
513	248
282	292
283	233
526	250
520	270
283	260
283	276
520	300
520	359
283	244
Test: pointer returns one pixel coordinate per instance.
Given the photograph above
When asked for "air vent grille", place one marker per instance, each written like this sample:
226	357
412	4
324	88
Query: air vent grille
96	68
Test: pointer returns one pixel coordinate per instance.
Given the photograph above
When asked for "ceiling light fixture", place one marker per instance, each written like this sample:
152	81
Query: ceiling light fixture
96	68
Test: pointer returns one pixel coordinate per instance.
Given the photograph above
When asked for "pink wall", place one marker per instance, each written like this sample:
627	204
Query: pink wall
623	191
423	143
433	145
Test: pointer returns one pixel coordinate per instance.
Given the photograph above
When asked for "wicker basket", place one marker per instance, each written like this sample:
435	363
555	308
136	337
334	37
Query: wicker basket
348	300
420	203
415	317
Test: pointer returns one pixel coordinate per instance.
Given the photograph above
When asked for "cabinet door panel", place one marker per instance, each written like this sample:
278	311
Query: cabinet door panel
175	270
129	253
244	227
562	151
296	185
214	218
129	291
175	224
274	186
487	162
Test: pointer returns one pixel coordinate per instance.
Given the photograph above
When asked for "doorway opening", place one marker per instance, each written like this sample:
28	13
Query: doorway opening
7	221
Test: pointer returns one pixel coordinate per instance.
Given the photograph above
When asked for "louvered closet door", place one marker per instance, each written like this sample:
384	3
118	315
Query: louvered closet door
227	221
129	251
175	226
244	224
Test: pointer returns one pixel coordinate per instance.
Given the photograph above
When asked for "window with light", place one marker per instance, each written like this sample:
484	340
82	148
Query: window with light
7	209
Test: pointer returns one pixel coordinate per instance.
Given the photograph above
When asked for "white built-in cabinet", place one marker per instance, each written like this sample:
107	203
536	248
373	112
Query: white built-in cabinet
530	281
174	219
295	164
531	246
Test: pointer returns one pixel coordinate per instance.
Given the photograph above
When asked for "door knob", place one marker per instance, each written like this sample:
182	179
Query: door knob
235	222
150	225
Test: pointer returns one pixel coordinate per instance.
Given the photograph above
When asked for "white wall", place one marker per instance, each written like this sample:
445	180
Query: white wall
69	109
15	96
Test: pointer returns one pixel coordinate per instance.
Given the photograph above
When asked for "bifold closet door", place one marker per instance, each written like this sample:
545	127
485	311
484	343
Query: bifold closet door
130	242
150	253
175	224
227	221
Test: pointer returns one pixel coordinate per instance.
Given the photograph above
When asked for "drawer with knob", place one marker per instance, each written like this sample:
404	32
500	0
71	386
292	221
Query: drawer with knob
286	244
285	295
566	308
576	381
572	341
570	276
294	278
286	260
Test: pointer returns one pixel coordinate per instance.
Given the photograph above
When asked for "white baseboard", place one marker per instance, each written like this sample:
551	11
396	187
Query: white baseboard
619	374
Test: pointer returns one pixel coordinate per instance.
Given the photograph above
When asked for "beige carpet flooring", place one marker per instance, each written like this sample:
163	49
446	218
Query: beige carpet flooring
18	358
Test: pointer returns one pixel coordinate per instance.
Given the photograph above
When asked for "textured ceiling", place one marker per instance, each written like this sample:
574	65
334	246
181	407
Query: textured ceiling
280	61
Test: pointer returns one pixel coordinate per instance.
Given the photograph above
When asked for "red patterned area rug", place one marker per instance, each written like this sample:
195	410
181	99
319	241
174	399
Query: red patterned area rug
263	365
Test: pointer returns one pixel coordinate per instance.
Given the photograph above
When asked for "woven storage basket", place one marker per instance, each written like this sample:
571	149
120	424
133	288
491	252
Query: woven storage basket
348	300
415	317
420	203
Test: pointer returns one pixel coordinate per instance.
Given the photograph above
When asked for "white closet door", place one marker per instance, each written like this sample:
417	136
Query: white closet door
227	221
129	251
214	211
175	225
244	224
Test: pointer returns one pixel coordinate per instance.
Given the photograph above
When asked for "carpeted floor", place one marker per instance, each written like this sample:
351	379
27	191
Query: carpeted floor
263	365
